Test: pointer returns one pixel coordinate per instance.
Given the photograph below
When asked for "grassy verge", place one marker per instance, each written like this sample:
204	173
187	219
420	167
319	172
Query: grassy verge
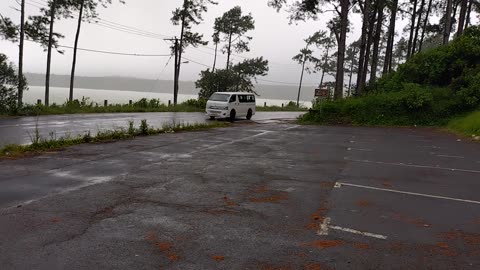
144	105
40	144
468	125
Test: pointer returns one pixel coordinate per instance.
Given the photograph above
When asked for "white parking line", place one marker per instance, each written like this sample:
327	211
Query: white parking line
414	165
325	226
340	184
289	128
359	149
231	142
447	156
378	236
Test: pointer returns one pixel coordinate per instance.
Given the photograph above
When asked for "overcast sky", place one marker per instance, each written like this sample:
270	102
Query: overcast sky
274	38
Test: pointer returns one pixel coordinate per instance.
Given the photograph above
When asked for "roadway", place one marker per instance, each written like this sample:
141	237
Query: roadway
19	130
252	196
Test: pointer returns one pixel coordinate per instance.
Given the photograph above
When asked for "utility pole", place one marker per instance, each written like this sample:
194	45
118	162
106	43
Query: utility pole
175	66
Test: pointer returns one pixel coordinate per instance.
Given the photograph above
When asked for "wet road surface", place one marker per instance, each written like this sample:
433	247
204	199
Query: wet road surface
253	196
18	130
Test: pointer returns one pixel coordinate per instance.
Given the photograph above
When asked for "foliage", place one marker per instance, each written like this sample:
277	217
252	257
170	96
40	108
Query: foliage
306	56
454	65
8	86
430	88
467	125
87	106
233	25
8	30
187	16
238	79
415	105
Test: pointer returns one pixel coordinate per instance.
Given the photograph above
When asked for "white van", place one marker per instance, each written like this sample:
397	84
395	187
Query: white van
231	105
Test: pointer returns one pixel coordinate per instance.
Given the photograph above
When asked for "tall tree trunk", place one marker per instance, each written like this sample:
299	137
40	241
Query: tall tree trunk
351	72
448	22
180	51
424	28
49	53
301	81
391	38
21	82
74	62
229	50
325	64
378	30
367	53
344	8
417	29
412	27
461	19
215	58
469	10
363	47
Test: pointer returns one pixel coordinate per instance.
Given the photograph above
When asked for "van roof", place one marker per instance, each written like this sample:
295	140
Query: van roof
237	93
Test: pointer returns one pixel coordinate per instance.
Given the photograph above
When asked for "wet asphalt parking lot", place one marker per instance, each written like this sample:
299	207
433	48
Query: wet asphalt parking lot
20	130
252	196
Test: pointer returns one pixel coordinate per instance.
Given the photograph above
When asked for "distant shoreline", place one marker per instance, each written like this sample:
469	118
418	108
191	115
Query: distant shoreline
266	91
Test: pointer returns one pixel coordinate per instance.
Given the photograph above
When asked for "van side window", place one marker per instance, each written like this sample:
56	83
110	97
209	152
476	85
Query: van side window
251	98
242	98
233	98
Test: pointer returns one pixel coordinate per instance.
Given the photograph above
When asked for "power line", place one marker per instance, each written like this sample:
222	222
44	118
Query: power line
262	80
117	53
110	52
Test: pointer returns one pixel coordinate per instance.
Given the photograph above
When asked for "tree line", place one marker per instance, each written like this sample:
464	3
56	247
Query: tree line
41	29
376	53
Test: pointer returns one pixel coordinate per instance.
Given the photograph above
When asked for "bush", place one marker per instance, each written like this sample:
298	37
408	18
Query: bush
196	103
8	89
415	105
429	89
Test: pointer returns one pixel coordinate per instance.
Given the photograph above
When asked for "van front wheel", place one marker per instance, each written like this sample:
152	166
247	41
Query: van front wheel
233	114
249	114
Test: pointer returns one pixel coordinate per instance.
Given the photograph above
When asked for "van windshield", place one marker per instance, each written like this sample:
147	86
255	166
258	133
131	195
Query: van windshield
219	97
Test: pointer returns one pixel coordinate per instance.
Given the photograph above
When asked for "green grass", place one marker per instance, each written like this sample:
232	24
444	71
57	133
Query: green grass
85	106
468	125
40	144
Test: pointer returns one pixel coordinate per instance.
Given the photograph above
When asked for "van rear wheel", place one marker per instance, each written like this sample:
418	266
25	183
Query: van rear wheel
233	114
249	114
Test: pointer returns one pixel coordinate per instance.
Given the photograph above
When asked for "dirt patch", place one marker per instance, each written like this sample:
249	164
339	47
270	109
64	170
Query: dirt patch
279	196
324	244
387	184
55	220
165	248
262	194
229	202
218	258
421	223
361	246
326	184
363	203
316	219
315	266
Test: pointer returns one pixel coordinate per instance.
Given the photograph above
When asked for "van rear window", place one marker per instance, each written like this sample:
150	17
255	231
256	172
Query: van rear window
219	97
